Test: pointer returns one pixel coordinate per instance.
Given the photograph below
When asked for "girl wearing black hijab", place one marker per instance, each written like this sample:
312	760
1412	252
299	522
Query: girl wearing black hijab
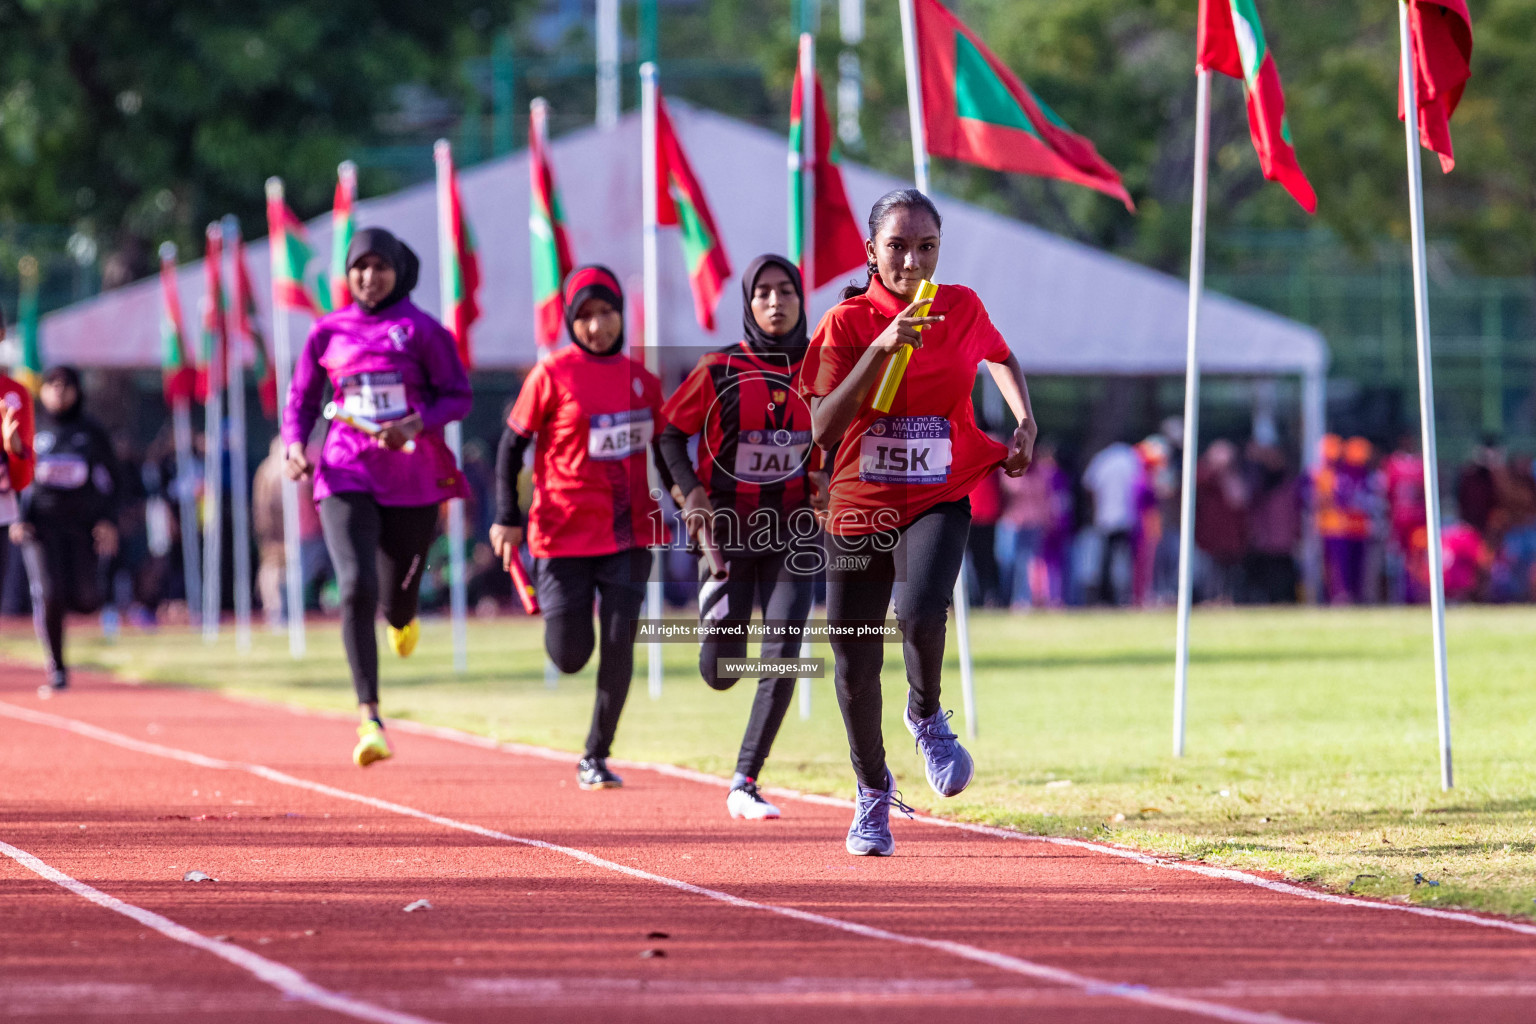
378	492
753	496
68	525
593	521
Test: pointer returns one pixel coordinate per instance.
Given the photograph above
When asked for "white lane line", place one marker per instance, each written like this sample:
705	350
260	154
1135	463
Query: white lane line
285	979
1139	994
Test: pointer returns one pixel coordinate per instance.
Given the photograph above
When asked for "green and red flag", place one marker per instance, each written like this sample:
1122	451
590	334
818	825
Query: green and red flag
245	321
215	325
1231	42
680	203
29	366
178	377
456	248
978	111
838	240
550	243
342	228
1441	31
291	256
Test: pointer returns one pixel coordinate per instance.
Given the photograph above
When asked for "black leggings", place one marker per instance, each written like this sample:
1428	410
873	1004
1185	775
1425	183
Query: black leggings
368	543
65	575
768	580
566	589
926	555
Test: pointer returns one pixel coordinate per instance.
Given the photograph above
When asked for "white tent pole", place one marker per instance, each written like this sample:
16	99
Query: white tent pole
1426	395
453	433
1191	405
239	484
808	142
648	186
213	470
282	356
608	46
914	97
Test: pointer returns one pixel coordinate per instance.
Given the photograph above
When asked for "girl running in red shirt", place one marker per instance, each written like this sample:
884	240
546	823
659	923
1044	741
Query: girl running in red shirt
593	520
899	505
753	493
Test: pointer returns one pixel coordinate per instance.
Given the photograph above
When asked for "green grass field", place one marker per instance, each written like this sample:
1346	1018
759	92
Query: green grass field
1311	742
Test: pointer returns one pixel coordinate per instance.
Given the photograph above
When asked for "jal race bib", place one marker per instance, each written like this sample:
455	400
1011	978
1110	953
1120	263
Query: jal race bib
905	450
771	456
62	472
618	435
375	396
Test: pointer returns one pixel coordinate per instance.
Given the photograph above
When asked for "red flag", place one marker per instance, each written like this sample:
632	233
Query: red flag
215	327
680	203
976	110
178	375
1231	42
839	242
246	323
550	242
1442	59
461	278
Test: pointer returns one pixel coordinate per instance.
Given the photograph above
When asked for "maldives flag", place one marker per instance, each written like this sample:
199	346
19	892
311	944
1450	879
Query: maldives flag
29	368
550	244
461	264
291	255
177	374
680	203
215	327
839	242
978	111
342	227
246	323
1442	59
1231	42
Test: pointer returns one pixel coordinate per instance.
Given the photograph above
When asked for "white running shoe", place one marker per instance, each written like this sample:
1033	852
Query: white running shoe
746	802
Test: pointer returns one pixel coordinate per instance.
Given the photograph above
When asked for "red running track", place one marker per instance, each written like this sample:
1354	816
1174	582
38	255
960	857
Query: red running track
544	898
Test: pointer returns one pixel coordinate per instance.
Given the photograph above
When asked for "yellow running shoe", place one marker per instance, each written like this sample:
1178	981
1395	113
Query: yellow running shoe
403	640
371	745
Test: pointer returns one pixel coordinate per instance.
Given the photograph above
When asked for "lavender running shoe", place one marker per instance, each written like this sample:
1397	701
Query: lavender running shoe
870	833
949	766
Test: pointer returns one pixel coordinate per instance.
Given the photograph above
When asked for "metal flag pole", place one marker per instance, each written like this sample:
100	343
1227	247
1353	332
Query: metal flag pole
181	431
807	157
453	433
282	355
920	178
1426	394
648	186
239	483
213	455
608	46
1191	405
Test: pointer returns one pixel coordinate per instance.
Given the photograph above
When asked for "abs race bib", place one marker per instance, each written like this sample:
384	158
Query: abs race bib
771	456
376	396
905	450
613	436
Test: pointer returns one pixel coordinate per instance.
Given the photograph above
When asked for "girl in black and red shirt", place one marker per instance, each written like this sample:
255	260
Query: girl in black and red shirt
752	497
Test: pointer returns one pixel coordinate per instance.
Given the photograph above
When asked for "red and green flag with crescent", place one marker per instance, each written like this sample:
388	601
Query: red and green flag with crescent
29	367
1231	42
215	323
839	242
979	112
178	376
245	320
680	203
461	262
291	256
342	229
550	243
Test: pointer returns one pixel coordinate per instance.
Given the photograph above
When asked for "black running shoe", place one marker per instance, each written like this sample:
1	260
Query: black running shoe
593	773
58	682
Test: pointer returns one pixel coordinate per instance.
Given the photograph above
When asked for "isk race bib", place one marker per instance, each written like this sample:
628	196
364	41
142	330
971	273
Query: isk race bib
771	456
62	472
905	450
376	396
618	435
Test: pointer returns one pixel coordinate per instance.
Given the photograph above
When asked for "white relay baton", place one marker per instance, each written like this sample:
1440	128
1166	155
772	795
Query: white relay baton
363	423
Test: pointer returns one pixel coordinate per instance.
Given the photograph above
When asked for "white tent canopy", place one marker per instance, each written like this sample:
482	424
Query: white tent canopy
1065	307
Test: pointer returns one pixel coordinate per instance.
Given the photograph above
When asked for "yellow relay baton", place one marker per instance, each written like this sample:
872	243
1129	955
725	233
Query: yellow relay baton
896	367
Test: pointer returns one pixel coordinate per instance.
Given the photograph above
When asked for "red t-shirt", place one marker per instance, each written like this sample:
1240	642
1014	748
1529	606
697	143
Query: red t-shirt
594	417
16	470
755	444
891	467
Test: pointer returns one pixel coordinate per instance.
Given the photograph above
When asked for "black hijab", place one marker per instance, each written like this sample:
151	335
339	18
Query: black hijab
792	344
592	281
70	376
406	264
